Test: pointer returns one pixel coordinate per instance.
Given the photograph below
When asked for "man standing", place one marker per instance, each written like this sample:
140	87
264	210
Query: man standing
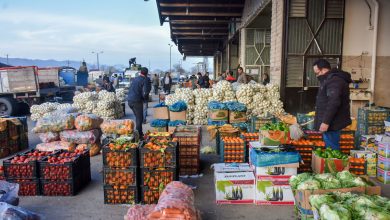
156	84
332	104
242	78
138	93
167	83
115	81
206	81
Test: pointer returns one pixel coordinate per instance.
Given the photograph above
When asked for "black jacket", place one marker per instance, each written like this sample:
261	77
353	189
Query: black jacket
333	103
139	90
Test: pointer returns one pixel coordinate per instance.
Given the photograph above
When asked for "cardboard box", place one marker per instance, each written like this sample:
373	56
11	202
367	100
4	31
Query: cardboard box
218	115
231	167
171	129
237	117
383	176
384	149
371	170
274	138
272	193
161	113
235	188
174	116
302	196
278	173
384	163
328	165
159	129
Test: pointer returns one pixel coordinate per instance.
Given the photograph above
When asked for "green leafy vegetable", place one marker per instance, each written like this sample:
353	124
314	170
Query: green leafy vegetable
309	184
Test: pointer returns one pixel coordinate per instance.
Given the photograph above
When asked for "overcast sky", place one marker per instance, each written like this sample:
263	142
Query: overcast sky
72	29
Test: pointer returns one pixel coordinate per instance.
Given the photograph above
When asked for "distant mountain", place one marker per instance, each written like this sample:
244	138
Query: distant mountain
51	63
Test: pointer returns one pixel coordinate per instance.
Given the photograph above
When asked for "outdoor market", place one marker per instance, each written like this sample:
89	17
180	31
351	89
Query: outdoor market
295	128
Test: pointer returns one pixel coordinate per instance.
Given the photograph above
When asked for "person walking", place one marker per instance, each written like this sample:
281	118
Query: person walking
332	103
156	84
138	93
167	83
146	101
242	77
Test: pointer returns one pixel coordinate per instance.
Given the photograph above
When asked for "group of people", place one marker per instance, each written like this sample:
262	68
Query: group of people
166	82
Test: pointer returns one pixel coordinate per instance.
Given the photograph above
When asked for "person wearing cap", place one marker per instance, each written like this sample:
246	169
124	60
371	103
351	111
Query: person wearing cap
139	94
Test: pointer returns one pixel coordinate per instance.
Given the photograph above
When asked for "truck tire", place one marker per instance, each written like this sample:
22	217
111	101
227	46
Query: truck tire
7	106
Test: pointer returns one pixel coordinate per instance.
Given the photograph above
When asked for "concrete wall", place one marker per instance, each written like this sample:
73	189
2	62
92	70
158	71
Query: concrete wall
358	44
276	41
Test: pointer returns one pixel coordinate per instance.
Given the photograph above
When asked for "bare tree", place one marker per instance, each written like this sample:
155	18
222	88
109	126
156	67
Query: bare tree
178	68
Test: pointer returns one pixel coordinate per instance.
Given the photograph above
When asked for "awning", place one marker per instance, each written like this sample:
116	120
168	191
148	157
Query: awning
199	27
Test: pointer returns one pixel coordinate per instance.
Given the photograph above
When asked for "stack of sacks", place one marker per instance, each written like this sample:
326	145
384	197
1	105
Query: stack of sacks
87	133
69	133
175	202
50	108
48	129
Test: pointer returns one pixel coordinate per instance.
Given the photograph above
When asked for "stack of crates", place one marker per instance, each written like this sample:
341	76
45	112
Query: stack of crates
189	139
249	137
13	135
371	121
233	150
120	176
305	149
221	134
67	178
157	169
258	122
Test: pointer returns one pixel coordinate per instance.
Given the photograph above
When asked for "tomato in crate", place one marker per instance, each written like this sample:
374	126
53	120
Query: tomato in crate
27	187
20	167
60	168
120	194
120	176
60	187
158	178
153	155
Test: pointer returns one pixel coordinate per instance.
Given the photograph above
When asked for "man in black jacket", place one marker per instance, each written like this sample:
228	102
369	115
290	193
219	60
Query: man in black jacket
332	104
139	93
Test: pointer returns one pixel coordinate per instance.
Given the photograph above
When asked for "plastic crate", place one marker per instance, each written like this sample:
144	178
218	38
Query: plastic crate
188	138
220	135
188	128
4	152
257	122
20	170
304	118
61	187
65	171
23	141
120	176
122	158
189	162
372	116
157	159
118	195
189	171
150	195
370	129
157	178
189	151
233	153
27	187
13	145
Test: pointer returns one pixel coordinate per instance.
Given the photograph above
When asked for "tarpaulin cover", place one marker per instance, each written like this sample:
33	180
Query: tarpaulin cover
159	105
263	159
216	123
178	107
159	123
214	105
241	125
236	106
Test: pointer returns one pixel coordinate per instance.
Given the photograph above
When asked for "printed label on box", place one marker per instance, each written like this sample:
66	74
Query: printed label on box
268	193
235	188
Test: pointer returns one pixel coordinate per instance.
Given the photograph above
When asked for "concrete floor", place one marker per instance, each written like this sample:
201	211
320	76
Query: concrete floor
89	203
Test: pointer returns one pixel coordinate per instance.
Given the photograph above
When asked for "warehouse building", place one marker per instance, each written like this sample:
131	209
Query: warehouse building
283	38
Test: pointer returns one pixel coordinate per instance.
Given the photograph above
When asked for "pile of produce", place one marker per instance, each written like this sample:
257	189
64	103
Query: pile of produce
200	109
186	95
223	92
104	104
348	206
329	153
308	181
121	94
50	108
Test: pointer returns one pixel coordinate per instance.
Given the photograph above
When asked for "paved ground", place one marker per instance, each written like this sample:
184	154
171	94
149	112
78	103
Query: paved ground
88	204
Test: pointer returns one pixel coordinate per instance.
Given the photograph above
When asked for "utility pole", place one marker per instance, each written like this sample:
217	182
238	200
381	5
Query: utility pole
7	59
170	58
97	58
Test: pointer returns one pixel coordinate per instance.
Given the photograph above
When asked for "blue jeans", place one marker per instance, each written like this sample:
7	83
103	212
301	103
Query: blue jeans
145	111
332	139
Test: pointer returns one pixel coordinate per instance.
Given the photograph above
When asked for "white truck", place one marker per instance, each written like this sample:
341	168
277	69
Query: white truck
28	85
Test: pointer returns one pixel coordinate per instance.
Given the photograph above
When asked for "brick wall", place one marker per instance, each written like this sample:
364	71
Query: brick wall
276	41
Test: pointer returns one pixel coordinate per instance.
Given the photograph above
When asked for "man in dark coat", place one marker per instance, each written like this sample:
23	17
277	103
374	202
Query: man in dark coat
333	103
139	93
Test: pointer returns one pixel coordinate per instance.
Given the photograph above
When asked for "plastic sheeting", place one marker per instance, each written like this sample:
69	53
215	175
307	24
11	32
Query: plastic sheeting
263	159
80	137
120	127
216	123
56	145
49	137
159	123
214	105
178	107
176	123
236	106
10	212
